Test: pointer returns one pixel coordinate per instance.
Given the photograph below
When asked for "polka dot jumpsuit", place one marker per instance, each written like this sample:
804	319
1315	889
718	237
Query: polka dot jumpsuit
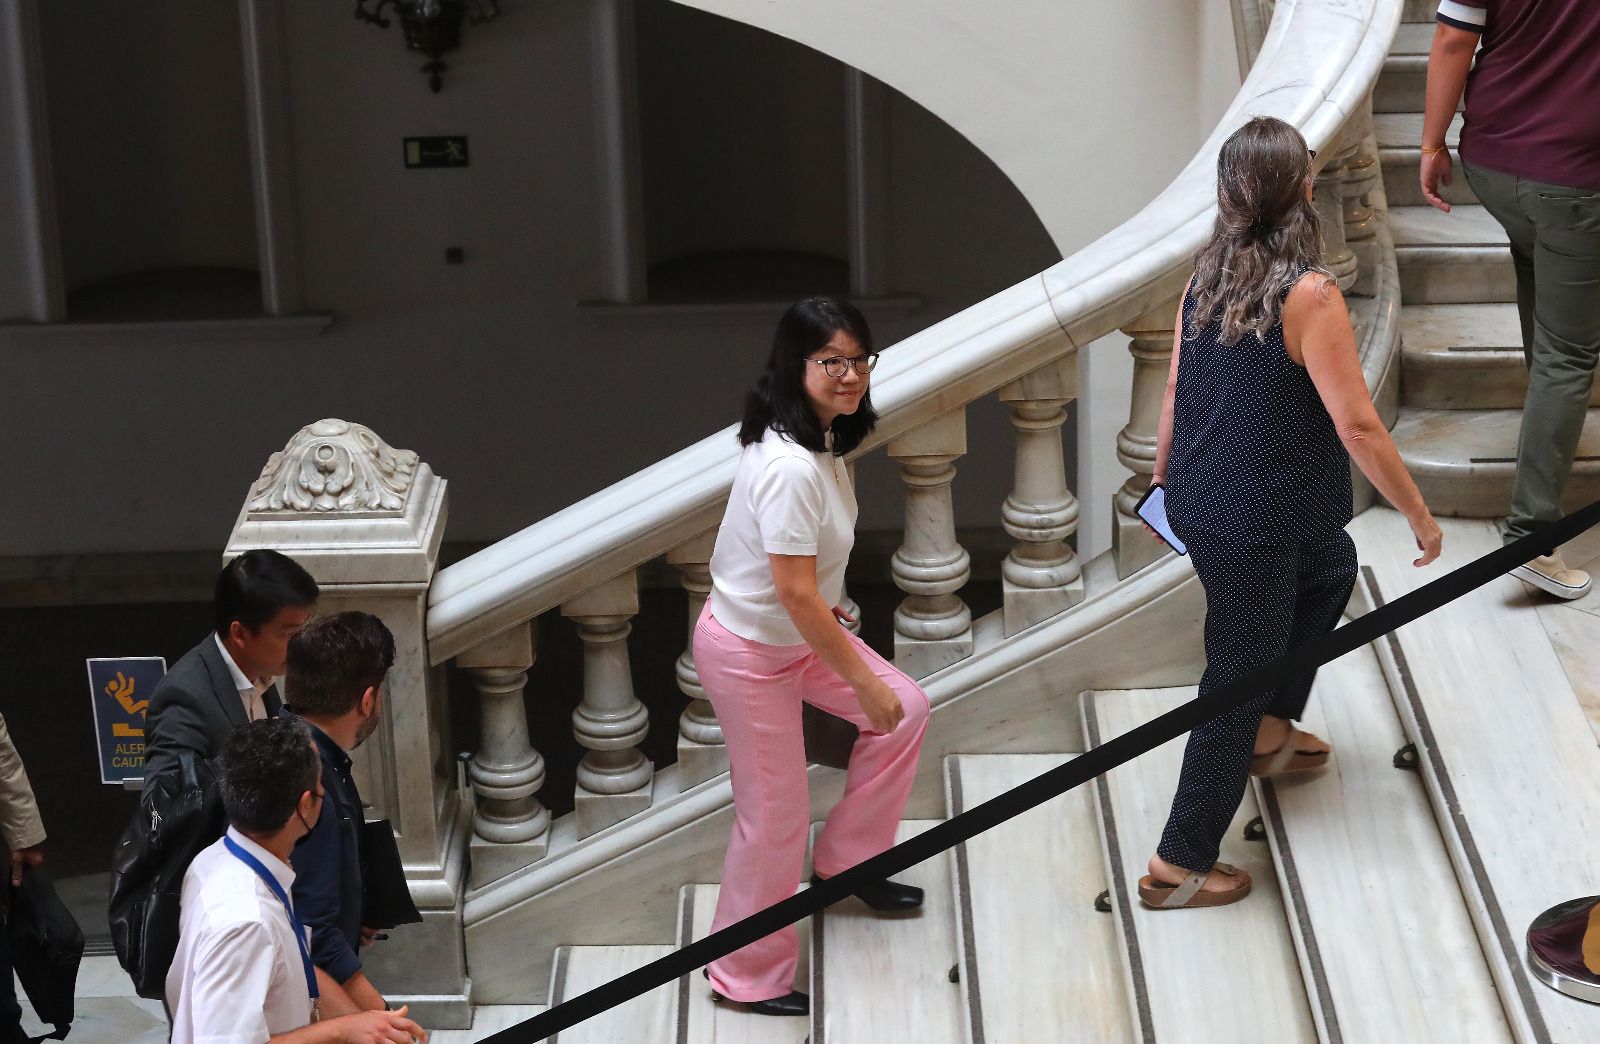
1258	487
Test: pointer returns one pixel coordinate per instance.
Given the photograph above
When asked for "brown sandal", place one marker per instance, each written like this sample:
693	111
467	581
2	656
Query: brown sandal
1159	895
1288	757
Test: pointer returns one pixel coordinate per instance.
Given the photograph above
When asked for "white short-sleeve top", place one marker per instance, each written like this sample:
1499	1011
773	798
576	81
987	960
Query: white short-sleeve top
786	500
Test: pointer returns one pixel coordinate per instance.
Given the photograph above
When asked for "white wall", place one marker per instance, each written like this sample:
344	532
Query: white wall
491	370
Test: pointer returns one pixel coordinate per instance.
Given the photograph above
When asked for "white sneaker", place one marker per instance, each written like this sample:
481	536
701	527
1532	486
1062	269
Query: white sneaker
1548	573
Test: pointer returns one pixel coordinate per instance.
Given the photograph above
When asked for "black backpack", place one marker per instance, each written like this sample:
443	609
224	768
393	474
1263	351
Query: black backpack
46	948
179	815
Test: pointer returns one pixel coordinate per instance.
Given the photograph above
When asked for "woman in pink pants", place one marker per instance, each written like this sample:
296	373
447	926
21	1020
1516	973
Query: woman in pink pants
771	637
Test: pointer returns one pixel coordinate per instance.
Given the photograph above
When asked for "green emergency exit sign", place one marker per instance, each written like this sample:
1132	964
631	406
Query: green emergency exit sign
448	151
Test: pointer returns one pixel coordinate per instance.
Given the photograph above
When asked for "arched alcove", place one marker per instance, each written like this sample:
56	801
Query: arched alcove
155	206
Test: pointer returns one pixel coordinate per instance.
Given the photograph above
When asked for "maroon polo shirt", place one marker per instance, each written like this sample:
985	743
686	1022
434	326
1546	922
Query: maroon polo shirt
1533	97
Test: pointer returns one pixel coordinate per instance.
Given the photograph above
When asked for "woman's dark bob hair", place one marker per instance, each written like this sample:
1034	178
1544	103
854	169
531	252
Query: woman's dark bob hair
779	401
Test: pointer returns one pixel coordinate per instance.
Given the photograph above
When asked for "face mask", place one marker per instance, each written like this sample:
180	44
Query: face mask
303	837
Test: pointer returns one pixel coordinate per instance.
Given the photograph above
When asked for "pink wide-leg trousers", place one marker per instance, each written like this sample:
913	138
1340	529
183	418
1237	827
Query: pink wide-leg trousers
757	690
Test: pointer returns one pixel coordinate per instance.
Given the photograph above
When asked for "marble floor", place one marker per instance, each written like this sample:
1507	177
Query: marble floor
107	1010
108	1013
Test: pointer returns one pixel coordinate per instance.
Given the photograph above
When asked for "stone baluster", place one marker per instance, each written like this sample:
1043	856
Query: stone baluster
615	780
1041	575
1328	198
933	626
1360	221
1151	346
701	753
511	828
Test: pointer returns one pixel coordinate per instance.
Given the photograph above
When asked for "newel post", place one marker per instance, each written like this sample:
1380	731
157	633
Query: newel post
367	520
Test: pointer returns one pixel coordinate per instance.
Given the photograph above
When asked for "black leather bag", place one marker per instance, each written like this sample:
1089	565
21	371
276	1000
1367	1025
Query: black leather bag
179	815
46	948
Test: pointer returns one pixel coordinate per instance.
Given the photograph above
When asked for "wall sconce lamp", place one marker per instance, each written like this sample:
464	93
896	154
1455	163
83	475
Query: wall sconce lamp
431	27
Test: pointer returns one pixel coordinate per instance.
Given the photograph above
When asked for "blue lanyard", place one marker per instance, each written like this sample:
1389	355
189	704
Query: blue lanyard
277	889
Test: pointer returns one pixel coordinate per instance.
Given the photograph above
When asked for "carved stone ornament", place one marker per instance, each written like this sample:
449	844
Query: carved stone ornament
334	465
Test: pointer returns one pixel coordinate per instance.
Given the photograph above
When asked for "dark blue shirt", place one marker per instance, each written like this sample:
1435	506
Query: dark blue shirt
1255	456
327	867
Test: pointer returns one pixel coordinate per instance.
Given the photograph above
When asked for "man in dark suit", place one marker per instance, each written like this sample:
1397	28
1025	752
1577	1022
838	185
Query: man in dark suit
336	671
262	599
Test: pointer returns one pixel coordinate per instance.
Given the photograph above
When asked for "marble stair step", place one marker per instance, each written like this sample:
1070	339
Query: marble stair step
1465	357
877	978
702	1021
1402	85
1228	974
1360	838
643	1020
1399	137
1464	461
1506	754
486	1019
1461	257
1462	357
1021	984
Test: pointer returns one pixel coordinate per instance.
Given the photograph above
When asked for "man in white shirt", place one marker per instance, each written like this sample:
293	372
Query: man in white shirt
242	973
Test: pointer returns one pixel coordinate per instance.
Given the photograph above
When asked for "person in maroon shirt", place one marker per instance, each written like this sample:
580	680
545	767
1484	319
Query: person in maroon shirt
1530	149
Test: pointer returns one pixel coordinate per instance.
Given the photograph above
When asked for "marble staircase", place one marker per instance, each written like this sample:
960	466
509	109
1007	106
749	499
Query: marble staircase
1462	374
1388	903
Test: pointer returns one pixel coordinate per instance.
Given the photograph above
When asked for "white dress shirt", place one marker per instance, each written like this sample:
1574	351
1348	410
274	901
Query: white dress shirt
249	691
237	976
786	500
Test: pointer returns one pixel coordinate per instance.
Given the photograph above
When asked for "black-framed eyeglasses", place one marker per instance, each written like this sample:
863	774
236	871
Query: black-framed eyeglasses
834	366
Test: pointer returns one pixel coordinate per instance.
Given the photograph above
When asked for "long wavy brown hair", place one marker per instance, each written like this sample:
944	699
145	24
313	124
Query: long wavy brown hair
1266	232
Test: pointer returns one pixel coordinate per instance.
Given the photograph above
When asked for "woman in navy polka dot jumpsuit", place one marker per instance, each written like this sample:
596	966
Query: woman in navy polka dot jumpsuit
1266	406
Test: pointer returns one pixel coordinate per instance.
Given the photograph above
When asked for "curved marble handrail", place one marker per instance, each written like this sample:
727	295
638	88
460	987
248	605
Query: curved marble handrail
1319	60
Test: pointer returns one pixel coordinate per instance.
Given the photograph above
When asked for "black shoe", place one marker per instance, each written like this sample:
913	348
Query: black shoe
885	896
793	1003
